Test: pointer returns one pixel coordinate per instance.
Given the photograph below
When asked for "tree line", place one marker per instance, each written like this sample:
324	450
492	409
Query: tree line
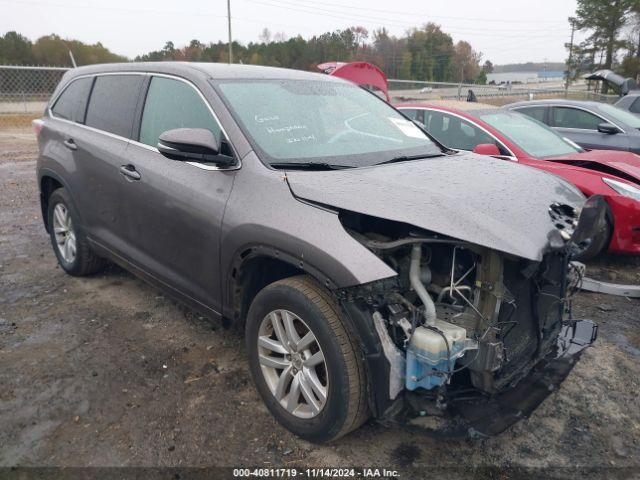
16	49
613	41
426	53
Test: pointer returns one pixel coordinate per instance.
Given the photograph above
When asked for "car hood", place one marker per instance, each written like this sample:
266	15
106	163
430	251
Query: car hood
485	201
622	164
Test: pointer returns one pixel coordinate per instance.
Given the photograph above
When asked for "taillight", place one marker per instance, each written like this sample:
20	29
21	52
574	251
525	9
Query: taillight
37	126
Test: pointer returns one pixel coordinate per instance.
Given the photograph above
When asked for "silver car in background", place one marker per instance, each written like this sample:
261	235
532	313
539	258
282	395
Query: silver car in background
592	125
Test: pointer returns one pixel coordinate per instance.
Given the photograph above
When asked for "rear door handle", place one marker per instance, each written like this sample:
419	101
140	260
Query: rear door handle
70	144
130	172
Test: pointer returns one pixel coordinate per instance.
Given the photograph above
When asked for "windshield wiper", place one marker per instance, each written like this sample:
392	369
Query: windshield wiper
405	158
308	166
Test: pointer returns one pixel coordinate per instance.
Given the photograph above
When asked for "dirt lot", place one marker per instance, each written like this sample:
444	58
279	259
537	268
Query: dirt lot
107	371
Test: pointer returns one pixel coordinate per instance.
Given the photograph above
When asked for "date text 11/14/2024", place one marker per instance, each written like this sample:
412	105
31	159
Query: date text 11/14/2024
315	473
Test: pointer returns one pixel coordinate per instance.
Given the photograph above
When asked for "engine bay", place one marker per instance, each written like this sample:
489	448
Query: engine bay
459	321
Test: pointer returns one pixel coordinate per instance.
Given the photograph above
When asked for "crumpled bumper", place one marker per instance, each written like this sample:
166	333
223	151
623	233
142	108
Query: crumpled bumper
490	416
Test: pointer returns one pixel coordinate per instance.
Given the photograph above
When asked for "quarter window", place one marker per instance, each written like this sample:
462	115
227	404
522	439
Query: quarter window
72	104
113	103
174	104
566	117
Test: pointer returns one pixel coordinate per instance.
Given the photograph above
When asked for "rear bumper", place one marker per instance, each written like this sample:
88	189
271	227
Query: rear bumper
626	230
488	416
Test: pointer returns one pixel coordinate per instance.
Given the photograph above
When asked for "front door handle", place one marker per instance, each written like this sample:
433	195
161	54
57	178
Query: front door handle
70	144
130	172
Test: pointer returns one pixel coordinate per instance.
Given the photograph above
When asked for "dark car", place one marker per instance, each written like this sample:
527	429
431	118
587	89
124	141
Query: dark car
373	271
592	125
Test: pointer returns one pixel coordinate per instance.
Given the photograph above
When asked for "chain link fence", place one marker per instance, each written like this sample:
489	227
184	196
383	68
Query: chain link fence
24	93
413	91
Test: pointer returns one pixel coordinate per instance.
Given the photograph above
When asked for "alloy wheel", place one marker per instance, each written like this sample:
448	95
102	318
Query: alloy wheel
293	364
64	233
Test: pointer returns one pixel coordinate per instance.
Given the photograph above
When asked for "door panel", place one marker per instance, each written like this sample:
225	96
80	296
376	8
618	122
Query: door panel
174	215
109	115
99	157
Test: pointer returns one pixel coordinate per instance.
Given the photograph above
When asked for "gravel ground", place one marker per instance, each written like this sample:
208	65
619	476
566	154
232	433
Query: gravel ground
105	371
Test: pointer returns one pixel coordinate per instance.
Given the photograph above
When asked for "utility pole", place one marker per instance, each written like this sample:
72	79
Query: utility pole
229	22
570	62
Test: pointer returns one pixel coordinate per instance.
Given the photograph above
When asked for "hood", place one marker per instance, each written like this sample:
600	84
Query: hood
485	201
621	164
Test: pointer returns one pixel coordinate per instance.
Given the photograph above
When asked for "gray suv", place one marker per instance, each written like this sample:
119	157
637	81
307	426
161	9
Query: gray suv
372	271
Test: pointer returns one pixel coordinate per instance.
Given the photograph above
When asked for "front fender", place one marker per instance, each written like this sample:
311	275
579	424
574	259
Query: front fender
262	211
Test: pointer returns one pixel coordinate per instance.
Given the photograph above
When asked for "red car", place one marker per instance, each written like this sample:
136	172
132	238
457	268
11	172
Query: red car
515	137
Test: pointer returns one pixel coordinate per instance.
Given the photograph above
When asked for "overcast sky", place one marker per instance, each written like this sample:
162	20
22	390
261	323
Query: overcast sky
505	31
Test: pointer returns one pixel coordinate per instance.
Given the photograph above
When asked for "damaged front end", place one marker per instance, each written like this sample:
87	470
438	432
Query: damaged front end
466	340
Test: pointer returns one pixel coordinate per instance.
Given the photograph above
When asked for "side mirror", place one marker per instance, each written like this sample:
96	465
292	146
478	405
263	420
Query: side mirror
608	128
487	149
192	145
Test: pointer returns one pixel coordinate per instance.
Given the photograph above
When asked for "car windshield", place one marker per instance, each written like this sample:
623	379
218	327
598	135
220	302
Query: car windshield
330	123
530	135
620	115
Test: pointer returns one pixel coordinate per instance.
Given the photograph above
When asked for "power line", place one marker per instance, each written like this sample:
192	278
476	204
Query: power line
121	9
365	18
413	14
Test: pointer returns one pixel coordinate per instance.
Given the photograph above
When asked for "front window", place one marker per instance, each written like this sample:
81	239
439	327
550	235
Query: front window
173	104
454	132
335	123
567	117
533	137
620	115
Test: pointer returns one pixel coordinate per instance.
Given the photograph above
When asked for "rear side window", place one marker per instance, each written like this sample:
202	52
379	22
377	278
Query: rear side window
566	117
534	112
174	104
113	103
635	106
72	104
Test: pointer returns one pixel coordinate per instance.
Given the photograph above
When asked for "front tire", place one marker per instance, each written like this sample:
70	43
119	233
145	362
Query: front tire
69	243
600	242
305	362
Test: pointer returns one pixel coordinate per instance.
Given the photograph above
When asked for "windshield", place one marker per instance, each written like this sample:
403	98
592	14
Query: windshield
620	115
328	122
530	135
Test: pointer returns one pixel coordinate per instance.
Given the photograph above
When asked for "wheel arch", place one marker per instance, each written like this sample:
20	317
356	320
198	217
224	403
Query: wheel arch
256	266
48	183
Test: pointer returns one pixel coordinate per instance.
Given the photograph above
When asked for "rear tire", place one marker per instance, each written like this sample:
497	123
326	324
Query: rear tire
306	307
67	239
